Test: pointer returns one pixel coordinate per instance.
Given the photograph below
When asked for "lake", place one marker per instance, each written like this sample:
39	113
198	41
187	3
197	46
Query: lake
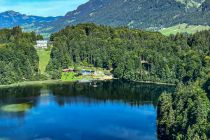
111	110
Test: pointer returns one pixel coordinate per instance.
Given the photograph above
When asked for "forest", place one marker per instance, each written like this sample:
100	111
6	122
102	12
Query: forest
18	58
132	54
136	55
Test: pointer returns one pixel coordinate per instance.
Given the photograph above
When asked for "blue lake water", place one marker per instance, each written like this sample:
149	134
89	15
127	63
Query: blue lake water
113	110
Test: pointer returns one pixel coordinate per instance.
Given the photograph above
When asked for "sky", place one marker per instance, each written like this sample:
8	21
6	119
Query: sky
41	7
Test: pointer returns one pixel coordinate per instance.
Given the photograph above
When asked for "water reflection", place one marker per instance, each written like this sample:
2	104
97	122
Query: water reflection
112	110
127	92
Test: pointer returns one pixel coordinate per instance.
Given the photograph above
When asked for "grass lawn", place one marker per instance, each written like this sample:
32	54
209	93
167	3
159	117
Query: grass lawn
44	57
71	76
184	28
68	76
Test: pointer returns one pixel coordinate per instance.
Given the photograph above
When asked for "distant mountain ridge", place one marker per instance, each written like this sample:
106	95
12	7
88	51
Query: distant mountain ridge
10	19
144	14
141	14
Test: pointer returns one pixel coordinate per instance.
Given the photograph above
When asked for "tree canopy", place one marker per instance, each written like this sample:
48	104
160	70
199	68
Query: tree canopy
131	54
18	58
184	114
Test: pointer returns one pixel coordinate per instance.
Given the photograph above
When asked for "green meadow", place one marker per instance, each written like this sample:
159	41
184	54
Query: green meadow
44	57
184	28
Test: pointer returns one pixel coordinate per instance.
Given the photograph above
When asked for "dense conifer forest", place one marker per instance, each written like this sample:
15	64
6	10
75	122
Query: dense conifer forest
132	54
18	58
184	115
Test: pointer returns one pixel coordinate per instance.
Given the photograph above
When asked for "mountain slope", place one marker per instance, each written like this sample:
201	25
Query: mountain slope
135	13
152	14
10	19
38	24
143	14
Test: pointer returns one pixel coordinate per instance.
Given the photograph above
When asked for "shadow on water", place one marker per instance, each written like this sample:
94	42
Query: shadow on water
129	92
134	94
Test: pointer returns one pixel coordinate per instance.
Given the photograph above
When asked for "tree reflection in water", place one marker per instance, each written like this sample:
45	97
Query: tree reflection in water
131	93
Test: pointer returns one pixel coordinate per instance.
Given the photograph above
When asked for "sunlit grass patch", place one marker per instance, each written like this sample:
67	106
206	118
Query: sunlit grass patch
16	107
44	57
71	76
184	28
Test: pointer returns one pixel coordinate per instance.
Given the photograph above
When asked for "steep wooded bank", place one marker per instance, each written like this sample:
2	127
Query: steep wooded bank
184	115
18	58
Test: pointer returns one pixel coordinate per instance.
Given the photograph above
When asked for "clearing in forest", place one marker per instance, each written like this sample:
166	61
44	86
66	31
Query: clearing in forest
44	57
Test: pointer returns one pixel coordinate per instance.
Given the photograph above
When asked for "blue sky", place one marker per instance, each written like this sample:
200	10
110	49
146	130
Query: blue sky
41	7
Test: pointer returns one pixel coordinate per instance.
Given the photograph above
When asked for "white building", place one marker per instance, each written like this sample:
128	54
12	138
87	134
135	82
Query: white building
41	44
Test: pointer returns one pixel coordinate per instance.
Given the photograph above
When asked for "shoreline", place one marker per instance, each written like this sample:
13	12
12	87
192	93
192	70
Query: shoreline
157	83
43	82
30	83
40	83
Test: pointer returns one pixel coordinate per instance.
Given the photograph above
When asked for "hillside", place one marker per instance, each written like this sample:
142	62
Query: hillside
124	13
151	15
10	19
